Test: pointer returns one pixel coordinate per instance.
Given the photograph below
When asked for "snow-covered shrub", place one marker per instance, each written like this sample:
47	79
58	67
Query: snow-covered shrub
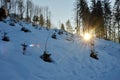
56	30
69	39
94	55
47	29
60	32
33	24
54	36
24	47
25	29
40	28
107	39
12	24
46	57
14	17
5	37
4	21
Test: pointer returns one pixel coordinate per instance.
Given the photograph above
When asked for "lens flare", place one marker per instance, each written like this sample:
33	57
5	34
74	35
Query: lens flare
34	45
31	45
38	45
87	36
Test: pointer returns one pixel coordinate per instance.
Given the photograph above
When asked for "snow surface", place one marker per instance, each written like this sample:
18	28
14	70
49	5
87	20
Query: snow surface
70	54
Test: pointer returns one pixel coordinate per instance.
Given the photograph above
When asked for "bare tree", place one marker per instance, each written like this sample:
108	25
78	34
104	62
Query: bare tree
13	6
29	8
21	8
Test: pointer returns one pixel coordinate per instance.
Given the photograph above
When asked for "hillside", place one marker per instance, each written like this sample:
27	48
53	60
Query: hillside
70	55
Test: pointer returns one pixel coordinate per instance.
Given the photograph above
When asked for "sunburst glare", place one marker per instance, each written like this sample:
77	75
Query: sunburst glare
87	36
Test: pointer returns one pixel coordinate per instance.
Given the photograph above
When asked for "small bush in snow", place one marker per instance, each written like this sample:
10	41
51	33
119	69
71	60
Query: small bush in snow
93	55
12	24
40	28
55	30
33	24
47	29
60	32
46	57
24	47
54	36
25	29
4	21
107	39
69	39
5	37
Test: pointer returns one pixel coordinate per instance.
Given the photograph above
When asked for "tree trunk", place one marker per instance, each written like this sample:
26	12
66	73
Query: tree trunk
119	32
114	31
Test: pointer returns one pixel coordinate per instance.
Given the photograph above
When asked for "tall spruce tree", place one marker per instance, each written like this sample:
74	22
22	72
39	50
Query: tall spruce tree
41	21
62	27
77	18
84	14
93	15
69	26
48	19
107	19
117	17
97	18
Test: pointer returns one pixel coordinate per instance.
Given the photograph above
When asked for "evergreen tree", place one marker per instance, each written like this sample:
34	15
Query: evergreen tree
117	17
68	26
84	14
62	27
107	19
48	23
97	21
35	19
41	21
93	14
77	18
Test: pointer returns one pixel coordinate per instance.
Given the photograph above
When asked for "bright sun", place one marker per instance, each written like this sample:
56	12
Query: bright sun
87	36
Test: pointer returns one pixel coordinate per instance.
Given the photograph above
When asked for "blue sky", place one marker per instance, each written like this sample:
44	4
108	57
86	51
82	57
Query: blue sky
61	10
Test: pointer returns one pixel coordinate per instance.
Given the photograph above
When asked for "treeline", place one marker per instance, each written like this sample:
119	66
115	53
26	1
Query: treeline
28	11
99	18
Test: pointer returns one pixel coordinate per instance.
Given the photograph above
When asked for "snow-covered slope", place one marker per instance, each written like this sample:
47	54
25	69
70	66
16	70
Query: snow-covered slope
71	57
